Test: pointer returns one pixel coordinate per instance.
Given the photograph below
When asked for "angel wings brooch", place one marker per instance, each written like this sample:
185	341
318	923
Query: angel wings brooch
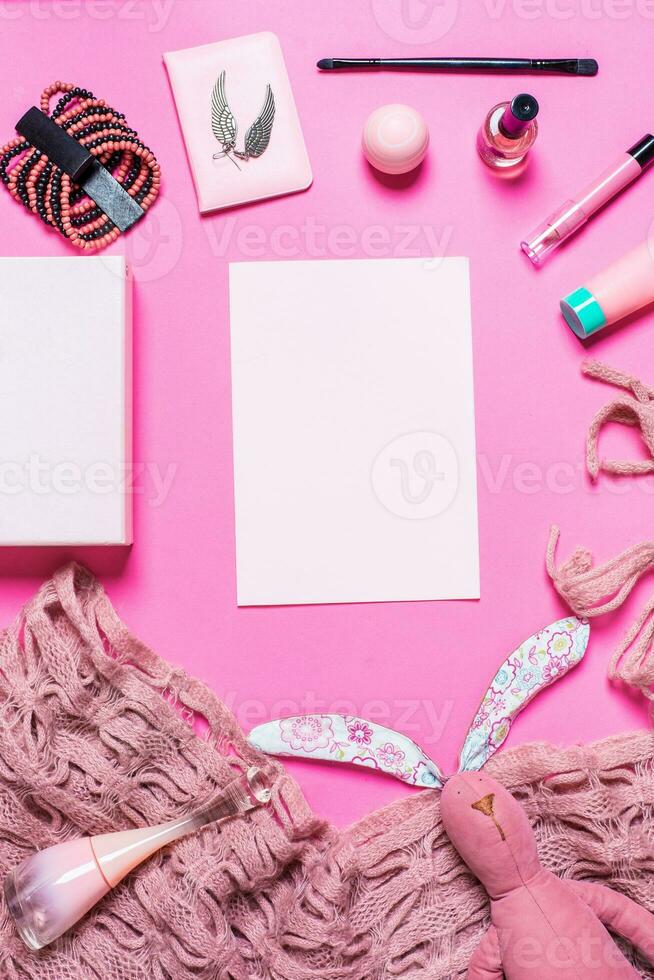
225	128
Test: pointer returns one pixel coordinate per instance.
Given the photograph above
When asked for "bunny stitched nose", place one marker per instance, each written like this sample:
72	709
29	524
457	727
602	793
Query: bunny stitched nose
485	806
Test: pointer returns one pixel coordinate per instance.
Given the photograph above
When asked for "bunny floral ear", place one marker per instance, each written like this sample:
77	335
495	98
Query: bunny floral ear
538	662
346	738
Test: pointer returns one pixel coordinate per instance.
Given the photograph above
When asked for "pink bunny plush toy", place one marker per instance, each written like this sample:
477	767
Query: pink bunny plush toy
542	927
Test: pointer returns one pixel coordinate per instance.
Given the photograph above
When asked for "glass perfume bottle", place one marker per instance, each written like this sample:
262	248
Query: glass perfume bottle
51	890
508	132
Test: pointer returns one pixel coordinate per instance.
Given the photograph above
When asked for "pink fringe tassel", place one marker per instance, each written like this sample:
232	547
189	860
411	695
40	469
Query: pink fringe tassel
592	591
635	410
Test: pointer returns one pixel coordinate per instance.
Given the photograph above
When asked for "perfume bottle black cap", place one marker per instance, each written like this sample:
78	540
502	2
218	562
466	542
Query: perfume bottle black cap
524	107
643	151
518	114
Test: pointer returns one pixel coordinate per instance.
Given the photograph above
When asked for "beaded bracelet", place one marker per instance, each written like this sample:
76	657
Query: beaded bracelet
44	189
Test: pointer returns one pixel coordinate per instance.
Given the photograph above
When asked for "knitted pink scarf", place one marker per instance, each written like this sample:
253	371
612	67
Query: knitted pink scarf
90	742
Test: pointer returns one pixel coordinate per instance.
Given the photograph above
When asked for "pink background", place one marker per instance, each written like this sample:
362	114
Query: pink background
425	665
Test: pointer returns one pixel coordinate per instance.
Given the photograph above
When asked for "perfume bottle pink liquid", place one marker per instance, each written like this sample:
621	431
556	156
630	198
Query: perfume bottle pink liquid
508	132
51	890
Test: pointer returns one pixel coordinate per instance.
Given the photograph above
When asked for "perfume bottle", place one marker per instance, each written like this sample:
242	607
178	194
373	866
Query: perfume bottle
51	890
508	132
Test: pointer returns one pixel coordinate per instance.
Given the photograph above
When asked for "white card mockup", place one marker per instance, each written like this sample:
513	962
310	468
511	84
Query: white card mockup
354	435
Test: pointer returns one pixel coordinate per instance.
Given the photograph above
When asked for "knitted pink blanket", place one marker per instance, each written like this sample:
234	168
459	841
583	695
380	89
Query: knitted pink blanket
89	742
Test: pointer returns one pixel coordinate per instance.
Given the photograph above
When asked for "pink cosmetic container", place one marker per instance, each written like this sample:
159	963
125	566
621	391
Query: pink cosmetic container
395	139
508	132
622	288
51	890
567	219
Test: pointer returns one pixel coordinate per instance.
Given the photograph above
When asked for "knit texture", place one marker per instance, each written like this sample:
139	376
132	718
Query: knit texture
593	590
635	409
95	736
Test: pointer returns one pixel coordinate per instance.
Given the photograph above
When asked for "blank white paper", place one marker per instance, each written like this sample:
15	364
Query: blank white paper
354	435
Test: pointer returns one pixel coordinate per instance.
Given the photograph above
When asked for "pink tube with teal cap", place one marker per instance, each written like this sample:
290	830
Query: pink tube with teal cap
622	288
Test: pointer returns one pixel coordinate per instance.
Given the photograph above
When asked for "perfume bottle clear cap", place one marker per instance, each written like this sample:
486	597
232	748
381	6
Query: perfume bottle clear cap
258	785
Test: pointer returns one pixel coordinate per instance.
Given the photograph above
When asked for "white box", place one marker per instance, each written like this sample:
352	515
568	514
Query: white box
65	401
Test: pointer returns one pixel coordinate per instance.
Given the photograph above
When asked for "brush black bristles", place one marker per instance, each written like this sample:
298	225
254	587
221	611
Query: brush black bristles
587	66
566	66
325	63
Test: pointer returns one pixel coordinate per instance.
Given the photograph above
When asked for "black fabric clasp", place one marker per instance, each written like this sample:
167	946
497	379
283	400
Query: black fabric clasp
81	166
64	151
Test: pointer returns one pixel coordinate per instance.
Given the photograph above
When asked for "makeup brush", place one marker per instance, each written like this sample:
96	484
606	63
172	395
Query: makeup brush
562	66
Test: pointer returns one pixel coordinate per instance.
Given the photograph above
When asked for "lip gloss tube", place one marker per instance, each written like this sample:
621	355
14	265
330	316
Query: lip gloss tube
569	218
622	288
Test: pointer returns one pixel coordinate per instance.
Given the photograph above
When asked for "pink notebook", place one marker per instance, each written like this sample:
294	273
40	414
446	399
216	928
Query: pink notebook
241	128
